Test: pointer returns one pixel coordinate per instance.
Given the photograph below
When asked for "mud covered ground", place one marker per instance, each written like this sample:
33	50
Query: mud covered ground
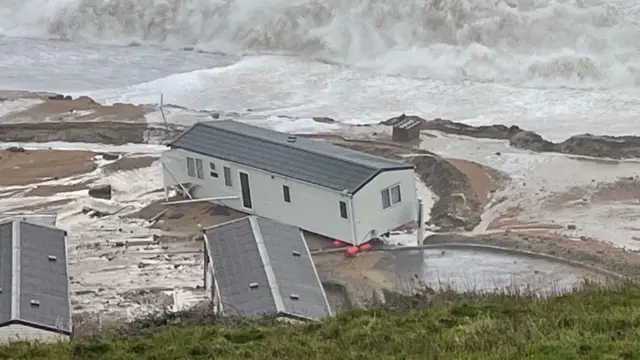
122	262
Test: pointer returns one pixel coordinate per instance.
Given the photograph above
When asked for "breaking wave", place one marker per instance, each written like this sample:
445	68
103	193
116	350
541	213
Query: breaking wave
585	41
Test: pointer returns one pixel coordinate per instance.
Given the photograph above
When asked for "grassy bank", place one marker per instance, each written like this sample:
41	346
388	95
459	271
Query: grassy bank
594	323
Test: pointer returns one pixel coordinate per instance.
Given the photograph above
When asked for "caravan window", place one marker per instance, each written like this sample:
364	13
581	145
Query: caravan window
227	176
391	196
191	167
343	210
199	169
213	172
286	193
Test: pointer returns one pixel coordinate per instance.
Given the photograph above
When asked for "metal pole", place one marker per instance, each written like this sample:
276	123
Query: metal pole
420	238
164	119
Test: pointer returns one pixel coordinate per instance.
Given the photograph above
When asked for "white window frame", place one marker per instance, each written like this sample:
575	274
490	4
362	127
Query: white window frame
387	198
346	210
286	194
212	170
191	167
228	180
199	169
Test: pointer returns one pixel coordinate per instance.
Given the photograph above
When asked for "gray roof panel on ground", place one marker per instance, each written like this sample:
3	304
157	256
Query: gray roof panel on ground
6	259
295	275
46	219
235	254
237	263
43	293
42	279
312	161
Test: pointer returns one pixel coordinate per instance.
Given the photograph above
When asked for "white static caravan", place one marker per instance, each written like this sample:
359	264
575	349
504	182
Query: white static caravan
326	189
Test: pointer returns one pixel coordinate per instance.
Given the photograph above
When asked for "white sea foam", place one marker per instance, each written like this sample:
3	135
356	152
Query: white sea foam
545	41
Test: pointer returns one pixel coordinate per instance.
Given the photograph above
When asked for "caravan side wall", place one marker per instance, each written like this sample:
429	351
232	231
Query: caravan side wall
15	332
311	207
372	219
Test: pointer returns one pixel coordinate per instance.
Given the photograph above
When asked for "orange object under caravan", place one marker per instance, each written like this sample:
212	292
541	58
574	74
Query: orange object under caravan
338	244
366	247
351	251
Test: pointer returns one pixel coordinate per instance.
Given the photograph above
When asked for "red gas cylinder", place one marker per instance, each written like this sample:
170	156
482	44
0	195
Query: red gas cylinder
365	247
351	251
338	244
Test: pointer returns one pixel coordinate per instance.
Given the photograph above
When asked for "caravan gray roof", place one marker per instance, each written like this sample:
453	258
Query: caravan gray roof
263	267
34	285
312	161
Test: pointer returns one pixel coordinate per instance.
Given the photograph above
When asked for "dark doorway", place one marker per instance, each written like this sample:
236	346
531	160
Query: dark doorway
246	192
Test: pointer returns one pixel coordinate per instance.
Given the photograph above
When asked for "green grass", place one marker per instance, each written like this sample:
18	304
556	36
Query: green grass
594	323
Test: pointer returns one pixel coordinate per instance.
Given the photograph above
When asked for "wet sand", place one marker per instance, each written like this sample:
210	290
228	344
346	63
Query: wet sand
31	166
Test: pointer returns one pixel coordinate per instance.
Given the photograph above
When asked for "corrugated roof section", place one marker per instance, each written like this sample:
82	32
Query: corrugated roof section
298	283
237	264
44	293
303	159
42	297
263	267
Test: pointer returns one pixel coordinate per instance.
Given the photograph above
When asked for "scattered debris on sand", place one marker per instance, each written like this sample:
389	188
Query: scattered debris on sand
135	251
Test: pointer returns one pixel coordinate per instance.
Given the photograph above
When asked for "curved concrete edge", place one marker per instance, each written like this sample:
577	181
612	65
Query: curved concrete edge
491	248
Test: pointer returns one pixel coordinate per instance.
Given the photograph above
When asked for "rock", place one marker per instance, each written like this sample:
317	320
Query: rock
94	213
110	157
103	132
324	120
528	140
571	227
174	214
101	192
617	147
16	149
56	97
198	237
500	132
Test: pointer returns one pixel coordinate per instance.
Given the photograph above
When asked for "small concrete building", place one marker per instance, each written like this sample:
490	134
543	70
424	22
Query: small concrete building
405	128
256	266
34	283
326	189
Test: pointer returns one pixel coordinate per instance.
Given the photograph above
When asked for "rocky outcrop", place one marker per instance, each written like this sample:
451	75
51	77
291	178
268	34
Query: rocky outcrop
456	207
616	147
115	133
499	132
